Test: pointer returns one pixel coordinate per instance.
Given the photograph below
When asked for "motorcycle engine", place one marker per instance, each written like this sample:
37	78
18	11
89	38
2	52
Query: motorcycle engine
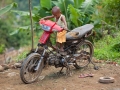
57	61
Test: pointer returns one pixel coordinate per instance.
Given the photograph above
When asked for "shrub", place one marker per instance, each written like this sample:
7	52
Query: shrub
2	48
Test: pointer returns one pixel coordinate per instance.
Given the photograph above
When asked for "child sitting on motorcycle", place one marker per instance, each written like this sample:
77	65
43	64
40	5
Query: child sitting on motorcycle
61	21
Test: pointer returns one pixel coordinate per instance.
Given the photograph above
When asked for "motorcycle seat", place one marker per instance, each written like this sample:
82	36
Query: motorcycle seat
80	31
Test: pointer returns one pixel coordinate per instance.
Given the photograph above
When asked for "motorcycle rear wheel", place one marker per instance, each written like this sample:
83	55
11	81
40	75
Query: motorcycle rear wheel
28	74
84	52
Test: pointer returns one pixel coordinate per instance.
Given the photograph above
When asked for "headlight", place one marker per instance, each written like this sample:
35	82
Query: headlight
46	28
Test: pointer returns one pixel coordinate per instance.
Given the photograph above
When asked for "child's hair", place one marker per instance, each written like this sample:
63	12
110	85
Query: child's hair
56	9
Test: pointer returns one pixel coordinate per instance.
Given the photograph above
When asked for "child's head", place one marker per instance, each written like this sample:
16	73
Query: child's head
56	11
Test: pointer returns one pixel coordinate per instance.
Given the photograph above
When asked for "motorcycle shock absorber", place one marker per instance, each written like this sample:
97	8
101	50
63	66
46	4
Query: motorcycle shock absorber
41	58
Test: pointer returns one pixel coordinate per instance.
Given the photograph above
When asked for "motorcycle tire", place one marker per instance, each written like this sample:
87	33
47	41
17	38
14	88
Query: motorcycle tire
28	67
78	63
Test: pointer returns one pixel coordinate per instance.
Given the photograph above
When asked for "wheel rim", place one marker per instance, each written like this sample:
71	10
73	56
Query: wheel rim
29	72
83	55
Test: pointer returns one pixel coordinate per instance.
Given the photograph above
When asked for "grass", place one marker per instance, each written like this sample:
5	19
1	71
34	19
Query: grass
107	48
21	56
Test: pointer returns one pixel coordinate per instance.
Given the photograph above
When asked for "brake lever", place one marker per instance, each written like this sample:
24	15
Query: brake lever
68	30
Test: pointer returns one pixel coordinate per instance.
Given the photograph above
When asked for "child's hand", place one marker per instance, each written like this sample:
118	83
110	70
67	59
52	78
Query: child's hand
41	19
65	28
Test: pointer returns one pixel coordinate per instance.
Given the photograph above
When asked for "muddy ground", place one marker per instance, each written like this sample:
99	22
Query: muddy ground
55	82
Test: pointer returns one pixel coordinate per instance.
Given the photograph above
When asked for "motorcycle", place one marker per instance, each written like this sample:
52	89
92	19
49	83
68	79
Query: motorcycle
78	52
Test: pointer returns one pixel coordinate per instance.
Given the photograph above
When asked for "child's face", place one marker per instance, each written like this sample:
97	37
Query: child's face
56	14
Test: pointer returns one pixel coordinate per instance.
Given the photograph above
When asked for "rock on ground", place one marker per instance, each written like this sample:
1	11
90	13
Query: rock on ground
12	74
17	65
5	66
1	68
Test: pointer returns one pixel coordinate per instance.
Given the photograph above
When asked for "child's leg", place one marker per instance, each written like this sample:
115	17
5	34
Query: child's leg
56	46
61	46
53	47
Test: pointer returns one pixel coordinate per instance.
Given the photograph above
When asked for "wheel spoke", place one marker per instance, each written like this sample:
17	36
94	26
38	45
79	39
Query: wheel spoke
82	53
28	72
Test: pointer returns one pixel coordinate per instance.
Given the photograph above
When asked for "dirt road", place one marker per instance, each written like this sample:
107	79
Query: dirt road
10	79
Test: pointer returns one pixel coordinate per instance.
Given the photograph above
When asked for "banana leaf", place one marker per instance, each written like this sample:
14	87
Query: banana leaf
74	15
88	6
7	8
20	29
78	3
46	4
23	13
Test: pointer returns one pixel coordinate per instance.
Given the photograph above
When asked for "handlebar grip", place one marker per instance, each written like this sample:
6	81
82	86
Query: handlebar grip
68	30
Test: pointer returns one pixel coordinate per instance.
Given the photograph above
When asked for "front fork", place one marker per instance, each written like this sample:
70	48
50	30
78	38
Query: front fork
41	58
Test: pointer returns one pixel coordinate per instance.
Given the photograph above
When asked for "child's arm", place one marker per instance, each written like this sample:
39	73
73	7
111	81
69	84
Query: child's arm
64	21
47	17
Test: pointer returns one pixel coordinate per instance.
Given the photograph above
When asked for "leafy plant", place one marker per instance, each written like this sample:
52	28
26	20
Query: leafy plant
7	8
22	56
116	47
2	48
74	15
46	4
107	48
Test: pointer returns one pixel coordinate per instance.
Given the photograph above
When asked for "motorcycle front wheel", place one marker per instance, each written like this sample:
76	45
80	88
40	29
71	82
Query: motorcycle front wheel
28	72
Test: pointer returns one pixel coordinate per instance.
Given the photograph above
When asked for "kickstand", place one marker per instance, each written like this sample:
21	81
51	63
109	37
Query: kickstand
60	72
95	67
68	71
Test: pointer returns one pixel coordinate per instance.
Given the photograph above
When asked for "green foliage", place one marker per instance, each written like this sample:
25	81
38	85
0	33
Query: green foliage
88	6
107	48
78	3
22	56
2	48
77	12
10	39
46	4
8	24
76	16
24	6
20	29
106	18
116	47
7	8
22	13
4	33
111	8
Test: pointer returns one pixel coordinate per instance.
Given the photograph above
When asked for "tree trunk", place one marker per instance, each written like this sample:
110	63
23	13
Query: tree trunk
32	32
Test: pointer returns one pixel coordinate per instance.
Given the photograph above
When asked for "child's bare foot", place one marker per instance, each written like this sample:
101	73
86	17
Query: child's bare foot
54	47
61	49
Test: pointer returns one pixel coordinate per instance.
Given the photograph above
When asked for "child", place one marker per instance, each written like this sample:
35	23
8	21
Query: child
61	21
